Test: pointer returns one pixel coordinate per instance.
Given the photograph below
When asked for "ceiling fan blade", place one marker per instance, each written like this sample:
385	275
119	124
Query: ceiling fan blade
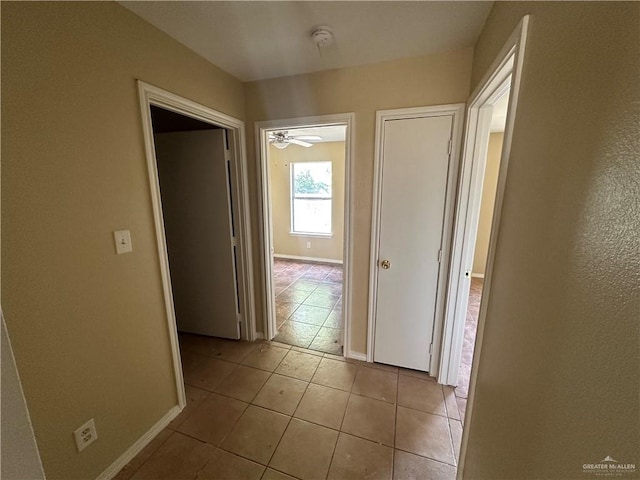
300	142
308	137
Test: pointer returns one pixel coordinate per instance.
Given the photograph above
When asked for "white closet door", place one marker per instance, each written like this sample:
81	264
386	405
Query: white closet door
414	181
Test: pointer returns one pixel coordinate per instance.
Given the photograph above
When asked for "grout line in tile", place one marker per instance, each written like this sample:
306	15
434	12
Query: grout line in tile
280	471
428	458
207	462
280	439
333	453
395	425
422	411
290	416
377	399
345	411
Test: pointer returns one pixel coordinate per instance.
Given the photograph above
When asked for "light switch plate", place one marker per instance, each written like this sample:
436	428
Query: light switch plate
122	239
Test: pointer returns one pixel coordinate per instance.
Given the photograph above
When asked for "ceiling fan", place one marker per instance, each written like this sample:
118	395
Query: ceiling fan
282	139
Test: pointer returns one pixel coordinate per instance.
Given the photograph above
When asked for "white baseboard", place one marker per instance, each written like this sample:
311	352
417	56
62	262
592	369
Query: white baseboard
477	275
113	469
356	355
308	259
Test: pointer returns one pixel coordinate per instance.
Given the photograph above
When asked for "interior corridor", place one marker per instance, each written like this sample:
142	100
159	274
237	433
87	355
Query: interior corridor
272	411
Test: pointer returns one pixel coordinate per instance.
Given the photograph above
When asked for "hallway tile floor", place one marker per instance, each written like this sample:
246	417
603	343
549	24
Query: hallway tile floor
266	410
309	305
470	329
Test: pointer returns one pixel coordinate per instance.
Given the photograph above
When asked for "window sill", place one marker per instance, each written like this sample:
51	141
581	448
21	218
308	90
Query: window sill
313	235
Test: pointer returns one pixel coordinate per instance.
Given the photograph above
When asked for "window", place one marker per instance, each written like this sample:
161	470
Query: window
311	197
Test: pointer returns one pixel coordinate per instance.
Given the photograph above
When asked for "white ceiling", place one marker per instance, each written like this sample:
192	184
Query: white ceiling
268	39
331	133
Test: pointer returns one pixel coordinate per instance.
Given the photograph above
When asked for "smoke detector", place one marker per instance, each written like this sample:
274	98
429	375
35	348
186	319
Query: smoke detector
322	36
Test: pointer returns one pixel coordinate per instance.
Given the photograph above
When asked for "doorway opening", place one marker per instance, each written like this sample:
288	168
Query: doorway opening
483	211
483	176
197	176
193	161
305	185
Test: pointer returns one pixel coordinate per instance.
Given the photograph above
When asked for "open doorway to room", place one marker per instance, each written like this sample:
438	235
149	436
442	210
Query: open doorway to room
305	232
306	186
197	177
491	116
193	161
484	209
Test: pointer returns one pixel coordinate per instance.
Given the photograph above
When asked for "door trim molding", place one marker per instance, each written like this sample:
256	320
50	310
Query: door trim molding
261	131
488	90
152	95
457	112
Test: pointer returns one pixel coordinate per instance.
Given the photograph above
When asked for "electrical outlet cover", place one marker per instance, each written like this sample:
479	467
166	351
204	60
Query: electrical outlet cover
85	435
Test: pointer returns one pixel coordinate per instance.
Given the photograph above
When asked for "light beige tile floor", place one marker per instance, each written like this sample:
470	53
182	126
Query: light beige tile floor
274	412
309	305
470	329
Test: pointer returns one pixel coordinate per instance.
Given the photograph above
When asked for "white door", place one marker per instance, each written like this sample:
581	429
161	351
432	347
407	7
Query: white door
415	163
193	170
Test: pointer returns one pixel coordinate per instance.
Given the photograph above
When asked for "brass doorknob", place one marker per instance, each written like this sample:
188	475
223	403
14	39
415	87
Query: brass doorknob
386	264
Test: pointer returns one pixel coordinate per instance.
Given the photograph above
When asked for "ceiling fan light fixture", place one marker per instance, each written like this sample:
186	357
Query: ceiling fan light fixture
282	140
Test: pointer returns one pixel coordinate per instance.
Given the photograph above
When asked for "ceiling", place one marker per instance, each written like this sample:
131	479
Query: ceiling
268	39
331	133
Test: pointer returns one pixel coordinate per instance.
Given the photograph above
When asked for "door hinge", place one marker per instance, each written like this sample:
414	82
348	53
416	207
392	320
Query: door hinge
439	255
430	348
233	241
239	318
450	145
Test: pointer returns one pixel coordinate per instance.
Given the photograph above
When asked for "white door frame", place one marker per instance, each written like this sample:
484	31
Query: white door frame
457	111
151	95
504	75
262	130
509	62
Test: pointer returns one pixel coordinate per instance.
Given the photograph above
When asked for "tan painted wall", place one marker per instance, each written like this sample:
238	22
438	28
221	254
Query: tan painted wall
489	186
88	327
283	242
430	80
558	377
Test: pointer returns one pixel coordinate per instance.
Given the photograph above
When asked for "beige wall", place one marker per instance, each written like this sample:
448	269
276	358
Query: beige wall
88	327
283	242
429	80
558	377
489	185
